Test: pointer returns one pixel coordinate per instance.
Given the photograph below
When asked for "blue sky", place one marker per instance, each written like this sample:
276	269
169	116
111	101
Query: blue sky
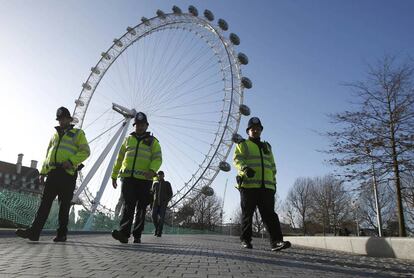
300	52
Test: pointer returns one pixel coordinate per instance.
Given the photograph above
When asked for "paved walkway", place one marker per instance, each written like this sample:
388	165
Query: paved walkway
182	256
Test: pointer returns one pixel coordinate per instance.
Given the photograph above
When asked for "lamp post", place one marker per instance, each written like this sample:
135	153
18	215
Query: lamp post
374	184
356	210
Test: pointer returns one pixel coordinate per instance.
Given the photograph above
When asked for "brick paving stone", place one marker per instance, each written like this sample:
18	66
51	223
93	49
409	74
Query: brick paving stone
183	256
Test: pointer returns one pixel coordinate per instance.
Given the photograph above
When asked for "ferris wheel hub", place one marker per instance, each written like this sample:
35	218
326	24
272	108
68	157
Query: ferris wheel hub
127	113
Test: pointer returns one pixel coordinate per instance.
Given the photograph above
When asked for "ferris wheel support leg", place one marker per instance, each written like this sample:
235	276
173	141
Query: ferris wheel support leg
107	175
98	163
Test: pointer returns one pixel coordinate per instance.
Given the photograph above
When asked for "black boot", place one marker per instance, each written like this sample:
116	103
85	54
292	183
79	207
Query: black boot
119	236
27	233
60	238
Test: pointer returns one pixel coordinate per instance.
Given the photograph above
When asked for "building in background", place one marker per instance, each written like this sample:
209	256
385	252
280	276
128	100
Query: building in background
16	177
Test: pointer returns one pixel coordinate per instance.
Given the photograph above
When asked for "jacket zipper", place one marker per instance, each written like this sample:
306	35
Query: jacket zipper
57	147
261	158
135	158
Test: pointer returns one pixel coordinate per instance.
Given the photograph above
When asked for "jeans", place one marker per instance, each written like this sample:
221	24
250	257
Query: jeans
158	216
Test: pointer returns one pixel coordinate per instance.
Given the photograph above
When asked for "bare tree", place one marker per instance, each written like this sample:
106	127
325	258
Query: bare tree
300	199
408	199
331	203
206	211
366	207
381	128
289	214
237	216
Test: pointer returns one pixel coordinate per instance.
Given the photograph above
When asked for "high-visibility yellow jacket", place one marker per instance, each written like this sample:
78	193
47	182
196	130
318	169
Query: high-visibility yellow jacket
138	154
69	145
261	160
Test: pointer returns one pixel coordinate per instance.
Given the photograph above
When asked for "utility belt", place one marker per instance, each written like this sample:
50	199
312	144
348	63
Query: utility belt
133	172
60	165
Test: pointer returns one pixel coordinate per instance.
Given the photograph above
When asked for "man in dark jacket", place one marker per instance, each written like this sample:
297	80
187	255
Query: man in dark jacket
162	193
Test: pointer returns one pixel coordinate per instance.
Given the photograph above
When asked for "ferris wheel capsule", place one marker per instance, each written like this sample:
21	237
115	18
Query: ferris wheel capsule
176	10
209	15
106	56
246	82
86	86
95	70
223	24
193	10
234	39
131	31
161	14
207	190
79	102
118	43
145	20
244	110
224	166
243	58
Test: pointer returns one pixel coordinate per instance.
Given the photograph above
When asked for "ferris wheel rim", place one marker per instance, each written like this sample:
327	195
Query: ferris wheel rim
235	75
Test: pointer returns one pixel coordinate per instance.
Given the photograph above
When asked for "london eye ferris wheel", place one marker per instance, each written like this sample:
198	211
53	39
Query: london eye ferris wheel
183	71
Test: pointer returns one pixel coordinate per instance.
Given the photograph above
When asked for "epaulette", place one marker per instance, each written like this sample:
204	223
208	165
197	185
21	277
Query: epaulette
149	140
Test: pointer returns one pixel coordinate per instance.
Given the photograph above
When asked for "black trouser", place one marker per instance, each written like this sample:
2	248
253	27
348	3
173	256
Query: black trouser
61	184
136	194
264	199
158	216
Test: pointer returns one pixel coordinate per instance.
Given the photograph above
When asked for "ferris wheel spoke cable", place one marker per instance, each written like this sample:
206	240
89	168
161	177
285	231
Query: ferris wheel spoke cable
169	96
185	137
115	125
121	80
177	72
124	60
110	82
98	118
188	104
192	114
200	129
141	67
178	75
157	80
186	119
180	147
152	68
195	104
178	45
200	97
174	149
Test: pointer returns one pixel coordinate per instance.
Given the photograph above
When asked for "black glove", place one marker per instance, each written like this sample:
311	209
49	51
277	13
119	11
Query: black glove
249	172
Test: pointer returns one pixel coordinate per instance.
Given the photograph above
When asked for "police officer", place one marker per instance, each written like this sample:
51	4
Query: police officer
67	149
138	162
161	193
256	182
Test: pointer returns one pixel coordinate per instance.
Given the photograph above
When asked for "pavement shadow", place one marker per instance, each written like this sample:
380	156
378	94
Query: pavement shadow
379	247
